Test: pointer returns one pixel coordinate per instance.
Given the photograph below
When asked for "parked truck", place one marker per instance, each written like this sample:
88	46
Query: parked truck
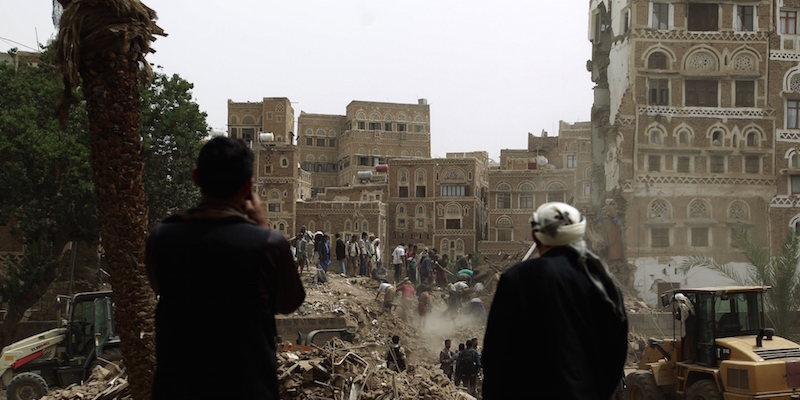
720	349
86	336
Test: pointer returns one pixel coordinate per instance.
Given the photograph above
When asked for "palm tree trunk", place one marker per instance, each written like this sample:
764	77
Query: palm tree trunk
110	86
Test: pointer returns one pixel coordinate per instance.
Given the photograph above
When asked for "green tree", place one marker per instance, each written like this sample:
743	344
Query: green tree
173	128
46	193
779	271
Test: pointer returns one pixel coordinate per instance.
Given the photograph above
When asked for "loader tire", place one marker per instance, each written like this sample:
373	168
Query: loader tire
26	386
704	390
642	386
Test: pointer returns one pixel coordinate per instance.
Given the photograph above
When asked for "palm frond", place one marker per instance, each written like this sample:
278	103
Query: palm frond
728	271
91	27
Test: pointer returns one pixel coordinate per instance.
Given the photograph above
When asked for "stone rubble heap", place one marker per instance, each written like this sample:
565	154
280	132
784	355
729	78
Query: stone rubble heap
105	383
335	372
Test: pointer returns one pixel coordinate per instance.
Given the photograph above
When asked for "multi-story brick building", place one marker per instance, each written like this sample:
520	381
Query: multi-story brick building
370	171
552	168
268	127
334	148
438	202
688	102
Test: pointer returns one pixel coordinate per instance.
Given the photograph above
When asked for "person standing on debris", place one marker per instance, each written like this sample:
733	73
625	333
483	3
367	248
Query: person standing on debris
411	263
424	266
377	245
223	245
370	254
325	253
398	261
456	372
572	289
301	252
362	247
446	359
468	364
354	255
341	253
396	356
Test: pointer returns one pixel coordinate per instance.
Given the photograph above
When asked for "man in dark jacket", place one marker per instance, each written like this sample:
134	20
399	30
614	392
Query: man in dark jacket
220	275
341	252
582	331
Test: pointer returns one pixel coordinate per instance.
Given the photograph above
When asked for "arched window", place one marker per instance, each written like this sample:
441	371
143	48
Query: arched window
683	138
503	195
738	210
794	161
716	138
699	209
655	137
555	192
526	196
752	139
657	60
659	209
505	229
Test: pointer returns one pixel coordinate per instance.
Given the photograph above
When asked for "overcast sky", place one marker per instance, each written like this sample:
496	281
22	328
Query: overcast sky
492	71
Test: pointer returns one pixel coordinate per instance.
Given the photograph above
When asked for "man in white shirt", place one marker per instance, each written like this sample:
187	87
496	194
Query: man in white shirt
398	260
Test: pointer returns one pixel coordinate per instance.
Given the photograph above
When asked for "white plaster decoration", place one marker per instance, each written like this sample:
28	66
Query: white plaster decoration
788	136
701	62
744	62
659	209
738	211
705	112
785	201
728	36
695	180
698	209
794	83
777	55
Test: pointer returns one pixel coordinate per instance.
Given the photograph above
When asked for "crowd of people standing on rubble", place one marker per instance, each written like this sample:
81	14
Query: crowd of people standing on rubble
195	249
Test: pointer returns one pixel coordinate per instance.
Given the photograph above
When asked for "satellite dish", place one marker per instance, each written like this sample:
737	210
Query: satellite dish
541	160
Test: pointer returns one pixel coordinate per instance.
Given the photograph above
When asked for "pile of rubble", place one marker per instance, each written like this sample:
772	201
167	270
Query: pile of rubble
335	372
109	383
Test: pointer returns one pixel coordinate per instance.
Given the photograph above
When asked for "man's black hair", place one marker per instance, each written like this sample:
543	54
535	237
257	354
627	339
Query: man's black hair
338	235
395	339
223	166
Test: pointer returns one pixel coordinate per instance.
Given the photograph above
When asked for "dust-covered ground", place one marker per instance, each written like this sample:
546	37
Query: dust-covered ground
355	298
311	374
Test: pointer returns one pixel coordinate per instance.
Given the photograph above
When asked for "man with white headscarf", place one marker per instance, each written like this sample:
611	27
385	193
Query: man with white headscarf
576	322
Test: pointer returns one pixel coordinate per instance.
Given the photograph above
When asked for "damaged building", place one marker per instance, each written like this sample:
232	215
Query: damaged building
695	130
